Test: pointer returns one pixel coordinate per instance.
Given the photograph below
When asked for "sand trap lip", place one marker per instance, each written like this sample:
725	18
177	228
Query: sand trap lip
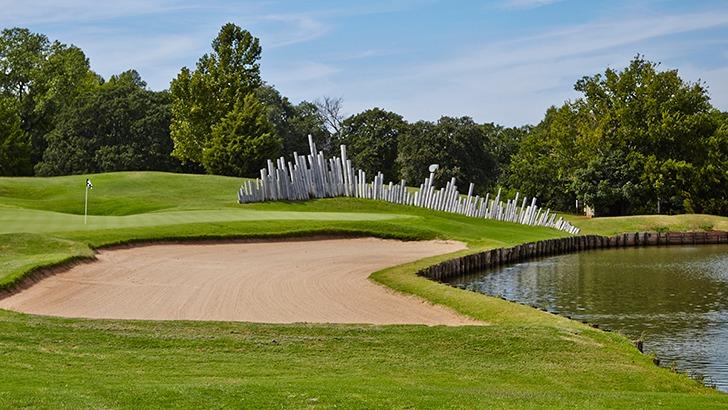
315	281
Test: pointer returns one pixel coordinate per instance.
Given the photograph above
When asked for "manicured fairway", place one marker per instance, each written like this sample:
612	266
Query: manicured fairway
51	362
523	358
35	221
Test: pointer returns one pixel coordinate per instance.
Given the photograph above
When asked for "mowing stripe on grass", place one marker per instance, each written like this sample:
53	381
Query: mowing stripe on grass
30	220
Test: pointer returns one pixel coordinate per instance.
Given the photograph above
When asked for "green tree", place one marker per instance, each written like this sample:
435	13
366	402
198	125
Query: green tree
42	78
293	123
372	139
634	142
417	149
501	144
14	142
243	141
22	53
606	180
203	97
458	145
64	77
710	181
548	157
121	126
308	121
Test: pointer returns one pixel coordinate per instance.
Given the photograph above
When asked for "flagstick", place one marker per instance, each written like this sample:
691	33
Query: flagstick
85	206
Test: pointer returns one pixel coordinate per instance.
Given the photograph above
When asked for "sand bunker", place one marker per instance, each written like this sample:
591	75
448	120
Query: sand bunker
324	281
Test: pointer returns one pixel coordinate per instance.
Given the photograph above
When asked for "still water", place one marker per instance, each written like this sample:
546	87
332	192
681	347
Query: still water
676	298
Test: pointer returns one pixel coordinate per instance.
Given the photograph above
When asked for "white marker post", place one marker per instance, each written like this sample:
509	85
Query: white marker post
89	185
432	168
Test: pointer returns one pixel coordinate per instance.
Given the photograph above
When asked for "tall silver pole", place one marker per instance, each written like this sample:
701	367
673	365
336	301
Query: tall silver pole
85	206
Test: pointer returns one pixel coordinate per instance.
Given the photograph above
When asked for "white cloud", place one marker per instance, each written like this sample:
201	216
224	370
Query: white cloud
510	82
157	53
55	11
513	82
291	29
579	40
526	4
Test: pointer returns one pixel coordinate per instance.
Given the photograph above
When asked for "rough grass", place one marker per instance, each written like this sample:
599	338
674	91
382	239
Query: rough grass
524	359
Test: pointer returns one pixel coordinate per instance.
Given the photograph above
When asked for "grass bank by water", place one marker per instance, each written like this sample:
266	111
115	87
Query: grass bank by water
649	223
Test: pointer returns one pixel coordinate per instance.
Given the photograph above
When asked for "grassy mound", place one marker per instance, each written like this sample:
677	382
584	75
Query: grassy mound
120	193
525	358
650	223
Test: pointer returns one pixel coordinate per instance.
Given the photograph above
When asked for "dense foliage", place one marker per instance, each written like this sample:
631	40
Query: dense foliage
122	126
242	141
215	103
59	117
639	140
14	143
41	78
294	123
457	145
372	139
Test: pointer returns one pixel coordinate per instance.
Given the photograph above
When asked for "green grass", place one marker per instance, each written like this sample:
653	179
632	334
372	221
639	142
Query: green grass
523	358
31	220
649	223
50	362
121	193
21	253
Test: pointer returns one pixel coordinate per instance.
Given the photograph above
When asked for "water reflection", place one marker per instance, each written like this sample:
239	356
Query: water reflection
677	297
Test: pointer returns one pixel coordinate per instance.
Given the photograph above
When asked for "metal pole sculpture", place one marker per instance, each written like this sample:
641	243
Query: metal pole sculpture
315	176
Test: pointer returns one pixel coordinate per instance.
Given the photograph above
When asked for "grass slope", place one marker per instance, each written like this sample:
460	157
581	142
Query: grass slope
524	358
120	193
649	223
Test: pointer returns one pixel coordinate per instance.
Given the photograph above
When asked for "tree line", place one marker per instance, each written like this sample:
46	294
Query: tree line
639	140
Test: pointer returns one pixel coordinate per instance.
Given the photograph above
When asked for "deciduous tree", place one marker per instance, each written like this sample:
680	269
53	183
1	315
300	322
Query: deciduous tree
243	141
121	126
635	142
201	98
42	78
372	138
14	142
293	123
458	145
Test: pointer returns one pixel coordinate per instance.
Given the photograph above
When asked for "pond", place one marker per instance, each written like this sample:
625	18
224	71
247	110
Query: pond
675	298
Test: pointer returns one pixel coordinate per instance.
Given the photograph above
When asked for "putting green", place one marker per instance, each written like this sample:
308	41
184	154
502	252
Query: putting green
34	221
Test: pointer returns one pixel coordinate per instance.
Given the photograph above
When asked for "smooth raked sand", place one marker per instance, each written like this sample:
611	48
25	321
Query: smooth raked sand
316	281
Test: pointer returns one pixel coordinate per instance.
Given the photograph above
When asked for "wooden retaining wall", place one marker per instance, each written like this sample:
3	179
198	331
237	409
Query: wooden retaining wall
503	256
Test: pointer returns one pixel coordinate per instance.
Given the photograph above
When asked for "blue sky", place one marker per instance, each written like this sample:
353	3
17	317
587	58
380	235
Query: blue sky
502	61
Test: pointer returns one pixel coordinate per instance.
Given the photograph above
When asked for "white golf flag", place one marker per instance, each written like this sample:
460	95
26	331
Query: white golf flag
89	185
